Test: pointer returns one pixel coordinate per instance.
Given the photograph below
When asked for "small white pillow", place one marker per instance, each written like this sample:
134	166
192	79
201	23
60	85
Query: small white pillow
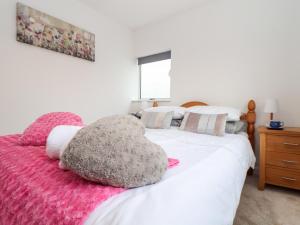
157	120
233	114
178	112
59	138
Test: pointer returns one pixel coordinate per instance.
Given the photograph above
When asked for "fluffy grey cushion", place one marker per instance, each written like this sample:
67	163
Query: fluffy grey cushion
114	151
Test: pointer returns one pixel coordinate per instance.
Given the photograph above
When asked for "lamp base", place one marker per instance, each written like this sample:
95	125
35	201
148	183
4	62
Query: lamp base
271	116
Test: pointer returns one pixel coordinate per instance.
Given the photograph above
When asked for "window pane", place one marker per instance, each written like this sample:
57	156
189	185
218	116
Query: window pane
155	79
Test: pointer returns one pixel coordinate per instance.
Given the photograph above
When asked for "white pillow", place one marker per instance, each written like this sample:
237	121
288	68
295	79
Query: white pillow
233	113
59	138
178	112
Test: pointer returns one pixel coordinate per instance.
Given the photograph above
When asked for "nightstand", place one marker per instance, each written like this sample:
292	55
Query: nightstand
279	157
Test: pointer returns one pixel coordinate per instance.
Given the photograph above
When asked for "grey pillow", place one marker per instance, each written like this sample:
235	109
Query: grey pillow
176	122
114	151
234	127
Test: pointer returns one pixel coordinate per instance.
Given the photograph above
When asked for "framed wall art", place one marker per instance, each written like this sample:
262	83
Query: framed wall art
39	29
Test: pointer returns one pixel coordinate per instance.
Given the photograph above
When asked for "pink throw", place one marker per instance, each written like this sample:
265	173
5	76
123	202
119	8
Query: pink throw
33	190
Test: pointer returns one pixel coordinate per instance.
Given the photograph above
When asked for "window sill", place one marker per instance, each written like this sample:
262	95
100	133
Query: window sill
152	100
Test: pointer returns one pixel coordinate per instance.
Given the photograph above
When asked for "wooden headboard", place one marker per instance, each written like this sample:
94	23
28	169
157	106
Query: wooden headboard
249	117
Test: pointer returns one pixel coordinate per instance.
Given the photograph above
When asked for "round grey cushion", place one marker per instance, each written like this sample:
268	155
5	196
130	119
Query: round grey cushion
114	151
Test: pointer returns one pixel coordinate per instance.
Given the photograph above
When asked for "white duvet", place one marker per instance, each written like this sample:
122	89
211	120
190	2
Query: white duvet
203	189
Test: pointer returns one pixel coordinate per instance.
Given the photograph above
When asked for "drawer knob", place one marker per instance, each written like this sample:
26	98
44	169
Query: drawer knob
290	161
290	144
288	178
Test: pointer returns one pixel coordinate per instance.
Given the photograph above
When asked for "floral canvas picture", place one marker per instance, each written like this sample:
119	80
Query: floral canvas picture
39	29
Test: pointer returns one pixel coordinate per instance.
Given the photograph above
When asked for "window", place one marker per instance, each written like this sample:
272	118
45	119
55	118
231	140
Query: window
155	76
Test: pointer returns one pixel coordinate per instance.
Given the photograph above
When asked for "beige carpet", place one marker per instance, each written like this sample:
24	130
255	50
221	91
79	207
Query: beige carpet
273	206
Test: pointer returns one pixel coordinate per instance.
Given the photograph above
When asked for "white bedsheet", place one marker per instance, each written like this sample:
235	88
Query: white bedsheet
204	189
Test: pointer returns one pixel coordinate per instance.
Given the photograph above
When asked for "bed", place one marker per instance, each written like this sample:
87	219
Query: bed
204	188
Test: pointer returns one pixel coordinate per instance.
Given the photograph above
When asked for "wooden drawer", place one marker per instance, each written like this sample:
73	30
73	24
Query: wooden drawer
288	144
283	177
283	159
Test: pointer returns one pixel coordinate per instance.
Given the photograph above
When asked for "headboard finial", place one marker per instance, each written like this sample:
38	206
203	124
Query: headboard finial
251	105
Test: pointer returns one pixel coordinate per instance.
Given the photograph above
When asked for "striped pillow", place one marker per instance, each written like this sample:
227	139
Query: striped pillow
212	124
157	120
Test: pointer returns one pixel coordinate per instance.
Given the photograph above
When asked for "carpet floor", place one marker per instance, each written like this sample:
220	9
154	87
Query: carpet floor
273	206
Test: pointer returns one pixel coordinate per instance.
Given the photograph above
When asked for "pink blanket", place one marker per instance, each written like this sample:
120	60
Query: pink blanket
33	190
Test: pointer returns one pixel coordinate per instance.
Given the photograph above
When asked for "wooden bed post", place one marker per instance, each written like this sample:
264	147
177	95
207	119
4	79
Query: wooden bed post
155	103
251	118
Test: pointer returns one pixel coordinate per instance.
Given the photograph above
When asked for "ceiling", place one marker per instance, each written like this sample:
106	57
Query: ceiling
137	13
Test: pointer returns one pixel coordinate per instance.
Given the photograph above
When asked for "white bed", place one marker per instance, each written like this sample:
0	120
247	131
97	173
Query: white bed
204	188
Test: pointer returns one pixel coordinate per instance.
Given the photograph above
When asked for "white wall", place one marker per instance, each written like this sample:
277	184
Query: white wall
34	81
230	51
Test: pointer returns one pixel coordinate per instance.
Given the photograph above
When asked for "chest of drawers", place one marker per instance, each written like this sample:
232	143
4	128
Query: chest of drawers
279	162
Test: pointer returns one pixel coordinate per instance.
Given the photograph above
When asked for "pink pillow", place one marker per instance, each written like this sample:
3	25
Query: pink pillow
37	133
